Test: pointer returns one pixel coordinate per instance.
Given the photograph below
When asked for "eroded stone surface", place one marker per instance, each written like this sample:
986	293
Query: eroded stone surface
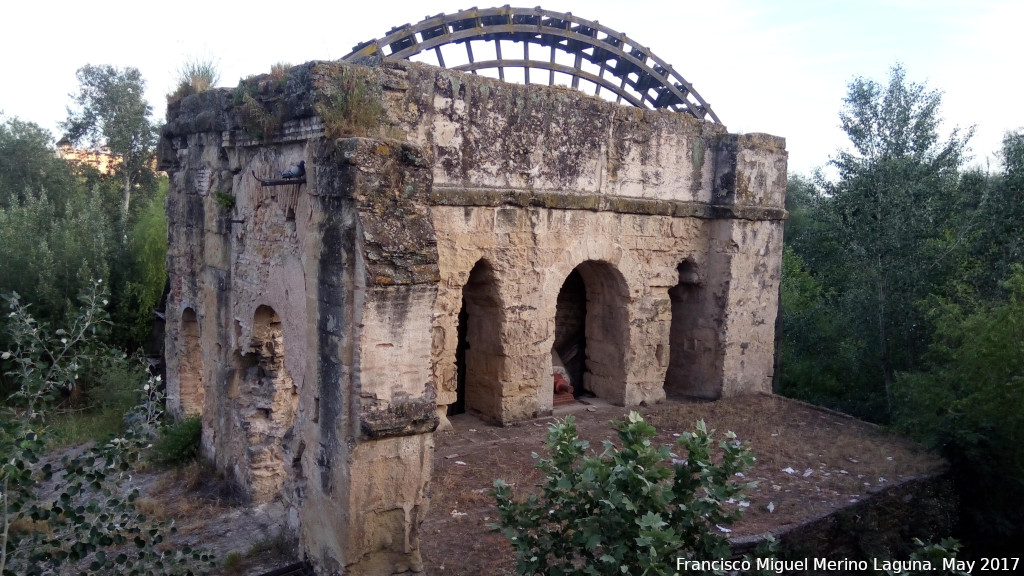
324	328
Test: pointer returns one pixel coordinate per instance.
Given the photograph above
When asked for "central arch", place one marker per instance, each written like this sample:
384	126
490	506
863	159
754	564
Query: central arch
592	330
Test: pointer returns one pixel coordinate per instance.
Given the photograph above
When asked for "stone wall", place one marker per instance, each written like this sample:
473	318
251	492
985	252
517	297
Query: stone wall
324	328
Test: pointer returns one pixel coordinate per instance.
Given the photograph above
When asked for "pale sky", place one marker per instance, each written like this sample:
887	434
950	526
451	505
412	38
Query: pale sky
780	67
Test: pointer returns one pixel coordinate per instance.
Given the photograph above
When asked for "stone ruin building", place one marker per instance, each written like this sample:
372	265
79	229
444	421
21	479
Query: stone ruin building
455	243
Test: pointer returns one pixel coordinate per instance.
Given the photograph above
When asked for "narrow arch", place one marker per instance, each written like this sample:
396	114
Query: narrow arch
191	392
479	355
693	339
269	405
591	316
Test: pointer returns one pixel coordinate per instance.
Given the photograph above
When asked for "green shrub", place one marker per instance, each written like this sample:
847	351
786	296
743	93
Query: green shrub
631	510
195	76
350	104
226	200
90	525
179	442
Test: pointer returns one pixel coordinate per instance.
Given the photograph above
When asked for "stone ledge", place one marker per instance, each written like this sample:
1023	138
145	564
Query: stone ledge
399	419
493	197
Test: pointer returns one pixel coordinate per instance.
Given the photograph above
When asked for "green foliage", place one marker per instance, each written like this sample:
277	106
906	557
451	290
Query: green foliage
631	510
144	272
29	166
55	240
179	442
53	252
968	403
259	122
90	525
48	364
817	355
934	554
226	200
350	103
113	112
882	237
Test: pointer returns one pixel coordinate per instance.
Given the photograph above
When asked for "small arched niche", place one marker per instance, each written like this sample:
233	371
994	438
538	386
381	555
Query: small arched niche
191	392
592	330
268	405
693	339
479	355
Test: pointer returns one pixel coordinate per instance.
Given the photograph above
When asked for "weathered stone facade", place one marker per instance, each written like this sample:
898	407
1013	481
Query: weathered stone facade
325	328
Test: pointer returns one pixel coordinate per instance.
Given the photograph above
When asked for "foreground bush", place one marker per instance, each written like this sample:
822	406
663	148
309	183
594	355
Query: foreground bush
631	510
87	523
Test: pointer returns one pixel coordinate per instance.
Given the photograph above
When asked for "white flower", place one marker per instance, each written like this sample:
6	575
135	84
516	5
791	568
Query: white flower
5	355
104	301
63	340
158	378
146	388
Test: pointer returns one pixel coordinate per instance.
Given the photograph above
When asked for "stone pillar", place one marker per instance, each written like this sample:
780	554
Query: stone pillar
375	403
745	256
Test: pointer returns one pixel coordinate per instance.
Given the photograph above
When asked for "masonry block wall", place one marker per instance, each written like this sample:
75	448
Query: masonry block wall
325	328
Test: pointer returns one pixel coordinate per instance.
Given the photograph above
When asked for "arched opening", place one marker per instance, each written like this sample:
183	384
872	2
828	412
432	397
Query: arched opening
479	357
569	352
692	340
592	331
191	393
268	405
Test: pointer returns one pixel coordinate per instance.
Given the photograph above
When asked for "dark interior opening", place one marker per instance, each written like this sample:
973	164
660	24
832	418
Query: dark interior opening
459	406
479	355
571	329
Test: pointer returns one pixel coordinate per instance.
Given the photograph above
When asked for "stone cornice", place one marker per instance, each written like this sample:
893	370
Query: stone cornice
460	196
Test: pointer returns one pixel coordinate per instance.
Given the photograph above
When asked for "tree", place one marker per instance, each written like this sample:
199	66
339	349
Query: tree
112	112
28	164
968	402
876	248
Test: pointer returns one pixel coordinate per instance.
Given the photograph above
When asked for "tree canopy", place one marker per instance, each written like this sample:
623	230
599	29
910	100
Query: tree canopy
112	112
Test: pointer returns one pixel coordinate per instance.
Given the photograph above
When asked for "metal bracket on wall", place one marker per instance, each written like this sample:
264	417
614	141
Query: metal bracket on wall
277	181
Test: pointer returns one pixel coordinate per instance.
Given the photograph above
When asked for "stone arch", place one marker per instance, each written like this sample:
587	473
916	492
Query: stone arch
693	339
479	356
270	403
191	391
597	291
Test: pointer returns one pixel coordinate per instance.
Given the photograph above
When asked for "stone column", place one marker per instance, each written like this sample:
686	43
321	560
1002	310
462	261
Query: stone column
376	402
745	254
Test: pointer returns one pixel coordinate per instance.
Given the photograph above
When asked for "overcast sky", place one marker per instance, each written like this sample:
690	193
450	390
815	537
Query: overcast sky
779	67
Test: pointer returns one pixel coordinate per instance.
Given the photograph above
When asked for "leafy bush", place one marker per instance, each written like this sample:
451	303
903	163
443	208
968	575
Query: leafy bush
631	510
933	554
91	525
179	442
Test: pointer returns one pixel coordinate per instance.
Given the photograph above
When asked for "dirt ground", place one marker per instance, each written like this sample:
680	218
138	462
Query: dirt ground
809	463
